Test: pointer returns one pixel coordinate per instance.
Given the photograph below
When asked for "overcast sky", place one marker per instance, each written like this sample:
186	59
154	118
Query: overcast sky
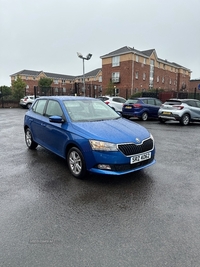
45	35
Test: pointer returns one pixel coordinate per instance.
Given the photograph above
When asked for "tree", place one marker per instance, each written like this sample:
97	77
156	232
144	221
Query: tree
45	84
18	88
110	88
4	92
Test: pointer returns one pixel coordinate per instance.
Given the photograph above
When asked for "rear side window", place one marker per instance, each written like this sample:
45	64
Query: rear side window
191	103
151	102
39	106
198	104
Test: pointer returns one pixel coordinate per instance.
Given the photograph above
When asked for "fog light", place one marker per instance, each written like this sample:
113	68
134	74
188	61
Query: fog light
104	167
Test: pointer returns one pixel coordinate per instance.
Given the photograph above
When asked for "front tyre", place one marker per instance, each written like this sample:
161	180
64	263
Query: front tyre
76	163
185	119
29	140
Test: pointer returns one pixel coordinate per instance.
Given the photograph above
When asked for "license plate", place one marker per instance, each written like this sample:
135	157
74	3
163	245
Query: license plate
140	157
166	113
128	107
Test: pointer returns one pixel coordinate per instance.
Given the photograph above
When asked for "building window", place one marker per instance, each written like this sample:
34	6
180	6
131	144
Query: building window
55	81
63	81
151	74
115	61
144	61
144	76
136	75
100	79
64	90
137	58
115	77
163	79
158	78
170	81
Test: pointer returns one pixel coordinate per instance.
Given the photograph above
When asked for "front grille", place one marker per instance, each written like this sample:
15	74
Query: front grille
132	149
127	167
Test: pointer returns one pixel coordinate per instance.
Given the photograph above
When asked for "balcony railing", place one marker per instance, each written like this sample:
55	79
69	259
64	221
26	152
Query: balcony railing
116	80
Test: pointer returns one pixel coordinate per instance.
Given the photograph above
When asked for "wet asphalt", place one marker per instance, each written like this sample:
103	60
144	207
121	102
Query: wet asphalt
50	219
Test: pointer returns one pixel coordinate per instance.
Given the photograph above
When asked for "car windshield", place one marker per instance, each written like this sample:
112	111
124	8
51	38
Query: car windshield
172	102
89	110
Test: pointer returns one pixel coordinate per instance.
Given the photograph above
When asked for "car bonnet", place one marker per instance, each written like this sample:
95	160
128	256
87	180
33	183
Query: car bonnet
116	131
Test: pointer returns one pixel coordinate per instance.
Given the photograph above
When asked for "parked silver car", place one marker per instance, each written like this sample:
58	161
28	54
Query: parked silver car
182	110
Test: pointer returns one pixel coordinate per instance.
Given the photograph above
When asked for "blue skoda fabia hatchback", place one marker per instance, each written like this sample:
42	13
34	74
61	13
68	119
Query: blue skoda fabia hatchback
89	135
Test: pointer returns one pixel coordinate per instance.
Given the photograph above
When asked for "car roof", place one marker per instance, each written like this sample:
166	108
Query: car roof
143	98
181	100
69	98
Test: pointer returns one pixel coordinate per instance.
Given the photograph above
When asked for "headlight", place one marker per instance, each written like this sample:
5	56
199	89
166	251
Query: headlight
102	146
151	136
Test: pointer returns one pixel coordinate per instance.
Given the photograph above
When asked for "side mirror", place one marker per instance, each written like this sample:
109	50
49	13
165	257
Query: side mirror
56	119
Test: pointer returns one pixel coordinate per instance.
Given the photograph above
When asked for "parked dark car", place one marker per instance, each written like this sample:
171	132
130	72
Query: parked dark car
89	134
141	107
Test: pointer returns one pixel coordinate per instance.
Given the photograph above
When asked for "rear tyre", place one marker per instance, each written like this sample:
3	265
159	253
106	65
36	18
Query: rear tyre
144	116
76	163
185	120
29	140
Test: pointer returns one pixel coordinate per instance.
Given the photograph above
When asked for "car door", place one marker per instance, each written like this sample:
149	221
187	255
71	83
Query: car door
150	107
36	120
194	106
55	135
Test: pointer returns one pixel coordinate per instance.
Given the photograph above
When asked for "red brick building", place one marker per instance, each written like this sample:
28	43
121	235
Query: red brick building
128	70
62	84
131	71
195	85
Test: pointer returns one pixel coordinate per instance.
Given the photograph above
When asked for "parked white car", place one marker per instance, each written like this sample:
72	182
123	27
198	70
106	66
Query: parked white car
115	102
27	101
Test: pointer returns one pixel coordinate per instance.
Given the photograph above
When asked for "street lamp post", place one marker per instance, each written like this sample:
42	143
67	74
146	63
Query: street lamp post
83	58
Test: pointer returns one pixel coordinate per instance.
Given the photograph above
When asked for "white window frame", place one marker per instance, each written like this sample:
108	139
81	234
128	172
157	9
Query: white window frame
115	77
115	61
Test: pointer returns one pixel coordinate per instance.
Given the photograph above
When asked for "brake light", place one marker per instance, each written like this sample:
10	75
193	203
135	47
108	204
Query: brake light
178	107
107	102
136	105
